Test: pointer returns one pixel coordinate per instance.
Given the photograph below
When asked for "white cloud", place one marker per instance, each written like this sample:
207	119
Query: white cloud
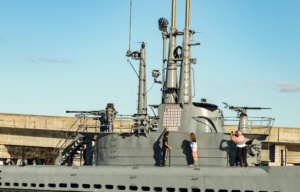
46	60
287	87
251	82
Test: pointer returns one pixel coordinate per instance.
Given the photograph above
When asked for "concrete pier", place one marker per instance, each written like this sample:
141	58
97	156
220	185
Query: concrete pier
27	136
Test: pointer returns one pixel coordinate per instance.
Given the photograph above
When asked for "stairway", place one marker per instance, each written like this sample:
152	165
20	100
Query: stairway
71	151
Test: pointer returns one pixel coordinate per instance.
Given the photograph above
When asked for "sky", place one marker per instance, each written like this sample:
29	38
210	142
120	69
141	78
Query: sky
58	55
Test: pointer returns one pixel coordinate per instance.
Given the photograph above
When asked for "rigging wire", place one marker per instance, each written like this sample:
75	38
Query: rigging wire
150	88
128	61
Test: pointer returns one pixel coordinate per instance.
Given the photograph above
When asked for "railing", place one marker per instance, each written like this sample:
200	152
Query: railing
70	134
83	124
121	118
262	124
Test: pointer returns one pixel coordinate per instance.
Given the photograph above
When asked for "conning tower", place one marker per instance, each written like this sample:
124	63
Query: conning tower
177	108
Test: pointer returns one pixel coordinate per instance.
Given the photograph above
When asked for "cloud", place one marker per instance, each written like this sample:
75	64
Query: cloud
251	82
54	61
287	87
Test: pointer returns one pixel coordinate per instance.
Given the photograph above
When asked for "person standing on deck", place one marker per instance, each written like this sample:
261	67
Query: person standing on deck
165	147
194	147
239	139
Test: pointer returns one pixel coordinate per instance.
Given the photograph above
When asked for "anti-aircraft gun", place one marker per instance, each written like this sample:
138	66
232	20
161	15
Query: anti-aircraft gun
242	115
253	140
79	143
106	117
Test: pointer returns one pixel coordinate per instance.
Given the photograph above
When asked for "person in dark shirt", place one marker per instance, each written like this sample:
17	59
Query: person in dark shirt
165	147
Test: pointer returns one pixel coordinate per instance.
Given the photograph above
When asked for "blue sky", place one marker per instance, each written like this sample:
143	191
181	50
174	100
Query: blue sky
58	55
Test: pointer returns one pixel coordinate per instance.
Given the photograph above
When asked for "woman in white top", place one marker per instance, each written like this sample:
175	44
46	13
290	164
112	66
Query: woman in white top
194	149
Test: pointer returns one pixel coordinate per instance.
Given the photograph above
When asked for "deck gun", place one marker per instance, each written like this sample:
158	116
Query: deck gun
106	117
242	115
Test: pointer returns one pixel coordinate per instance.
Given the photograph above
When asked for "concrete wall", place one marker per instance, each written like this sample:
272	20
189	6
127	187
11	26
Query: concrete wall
283	147
31	135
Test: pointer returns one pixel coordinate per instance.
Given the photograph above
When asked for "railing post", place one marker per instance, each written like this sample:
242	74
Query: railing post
169	158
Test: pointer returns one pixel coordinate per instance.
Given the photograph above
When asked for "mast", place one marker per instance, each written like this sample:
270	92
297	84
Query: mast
171	75
185	74
142	97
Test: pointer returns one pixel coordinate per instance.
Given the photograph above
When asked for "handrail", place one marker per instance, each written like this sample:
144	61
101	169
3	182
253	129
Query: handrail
83	126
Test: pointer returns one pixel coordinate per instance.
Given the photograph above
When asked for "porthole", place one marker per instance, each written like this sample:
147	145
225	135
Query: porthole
109	186
145	188
157	189
97	186
74	185
170	189
86	186
33	185
235	191
41	185
7	184
183	190
133	188
16	184
52	185
24	184
63	185
249	191
209	190
121	187
0	183
224	190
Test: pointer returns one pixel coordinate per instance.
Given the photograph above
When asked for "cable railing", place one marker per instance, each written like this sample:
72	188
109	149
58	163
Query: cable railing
83	123
262	124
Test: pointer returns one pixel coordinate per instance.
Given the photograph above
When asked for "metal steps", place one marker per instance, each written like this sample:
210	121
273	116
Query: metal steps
72	151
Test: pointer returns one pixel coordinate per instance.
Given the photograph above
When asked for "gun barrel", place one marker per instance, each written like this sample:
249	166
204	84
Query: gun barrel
255	108
82	111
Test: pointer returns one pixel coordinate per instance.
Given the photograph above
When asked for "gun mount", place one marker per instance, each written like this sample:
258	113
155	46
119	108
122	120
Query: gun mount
242	115
106	117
